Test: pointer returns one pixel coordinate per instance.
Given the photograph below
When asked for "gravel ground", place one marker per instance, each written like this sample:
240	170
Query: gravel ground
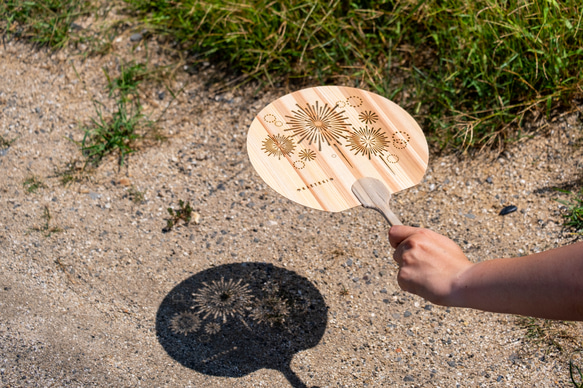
101	295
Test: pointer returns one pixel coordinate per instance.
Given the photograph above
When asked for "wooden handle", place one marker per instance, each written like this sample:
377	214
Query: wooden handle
373	194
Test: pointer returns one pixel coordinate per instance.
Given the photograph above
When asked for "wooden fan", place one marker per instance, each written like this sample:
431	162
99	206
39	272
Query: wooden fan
333	148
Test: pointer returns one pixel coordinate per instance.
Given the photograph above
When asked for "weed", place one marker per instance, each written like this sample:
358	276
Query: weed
5	143
46	229
32	183
135	195
115	134
574	213
183	213
557	335
576	371
72	172
47	23
126	85
344	291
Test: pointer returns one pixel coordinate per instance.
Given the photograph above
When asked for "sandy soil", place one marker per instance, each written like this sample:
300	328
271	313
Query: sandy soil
102	296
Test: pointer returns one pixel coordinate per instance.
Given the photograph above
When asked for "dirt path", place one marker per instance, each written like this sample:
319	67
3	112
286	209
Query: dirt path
101	296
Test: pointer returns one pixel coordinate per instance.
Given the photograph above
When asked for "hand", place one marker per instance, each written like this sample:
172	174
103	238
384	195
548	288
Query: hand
429	263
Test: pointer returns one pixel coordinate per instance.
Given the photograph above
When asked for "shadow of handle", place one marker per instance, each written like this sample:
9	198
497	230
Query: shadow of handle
291	376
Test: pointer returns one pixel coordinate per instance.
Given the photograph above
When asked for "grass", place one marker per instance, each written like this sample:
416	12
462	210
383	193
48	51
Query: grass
135	195
32	183
46	228
183	214
574	213
5	143
126	84
470	71
575	369
47	23
115	134
120	132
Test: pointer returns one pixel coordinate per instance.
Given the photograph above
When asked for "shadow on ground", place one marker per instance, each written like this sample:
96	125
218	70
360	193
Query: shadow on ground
234	319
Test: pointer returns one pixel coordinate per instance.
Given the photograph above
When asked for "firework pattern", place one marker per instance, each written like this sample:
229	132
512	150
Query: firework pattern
223	299
220	301
368	141
318	125
278	145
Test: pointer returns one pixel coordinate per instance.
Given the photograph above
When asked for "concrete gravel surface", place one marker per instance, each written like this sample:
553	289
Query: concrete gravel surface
103	296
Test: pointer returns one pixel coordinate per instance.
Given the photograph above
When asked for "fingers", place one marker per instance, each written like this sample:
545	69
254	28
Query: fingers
398	233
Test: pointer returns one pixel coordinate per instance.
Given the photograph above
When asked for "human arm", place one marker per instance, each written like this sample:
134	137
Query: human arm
546	285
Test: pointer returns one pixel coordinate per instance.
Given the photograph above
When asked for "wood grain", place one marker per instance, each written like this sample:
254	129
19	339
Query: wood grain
312	145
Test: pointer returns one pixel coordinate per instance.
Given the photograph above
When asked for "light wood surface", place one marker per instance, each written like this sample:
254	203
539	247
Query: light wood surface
312	145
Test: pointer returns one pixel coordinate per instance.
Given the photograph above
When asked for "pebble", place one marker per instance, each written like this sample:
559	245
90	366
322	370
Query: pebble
507	210
136	37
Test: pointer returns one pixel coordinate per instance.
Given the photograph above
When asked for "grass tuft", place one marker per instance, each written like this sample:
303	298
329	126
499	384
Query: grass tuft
47	23
183	213
32	183
115	134
574	212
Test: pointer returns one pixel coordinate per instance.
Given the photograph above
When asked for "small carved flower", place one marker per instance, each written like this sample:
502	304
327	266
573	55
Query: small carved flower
368	117
307	155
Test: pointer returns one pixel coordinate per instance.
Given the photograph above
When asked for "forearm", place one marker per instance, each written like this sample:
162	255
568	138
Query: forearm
547	285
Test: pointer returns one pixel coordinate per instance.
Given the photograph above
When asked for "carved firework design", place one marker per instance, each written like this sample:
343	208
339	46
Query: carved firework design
318	124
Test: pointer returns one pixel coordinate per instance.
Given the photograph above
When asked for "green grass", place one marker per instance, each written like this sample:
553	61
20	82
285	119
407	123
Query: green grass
32	183
115	134
469	71
126	84
182	214
47	22
576	369
46	228
574	212
120	132
5	143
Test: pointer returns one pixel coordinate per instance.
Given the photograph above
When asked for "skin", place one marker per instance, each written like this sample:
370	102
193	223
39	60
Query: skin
545	285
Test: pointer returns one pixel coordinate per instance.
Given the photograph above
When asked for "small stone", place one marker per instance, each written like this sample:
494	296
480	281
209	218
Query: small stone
507	210
94	195
407	314
124	182
136	37
409	378
489	180
470	216
428	307
451	363
349	262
